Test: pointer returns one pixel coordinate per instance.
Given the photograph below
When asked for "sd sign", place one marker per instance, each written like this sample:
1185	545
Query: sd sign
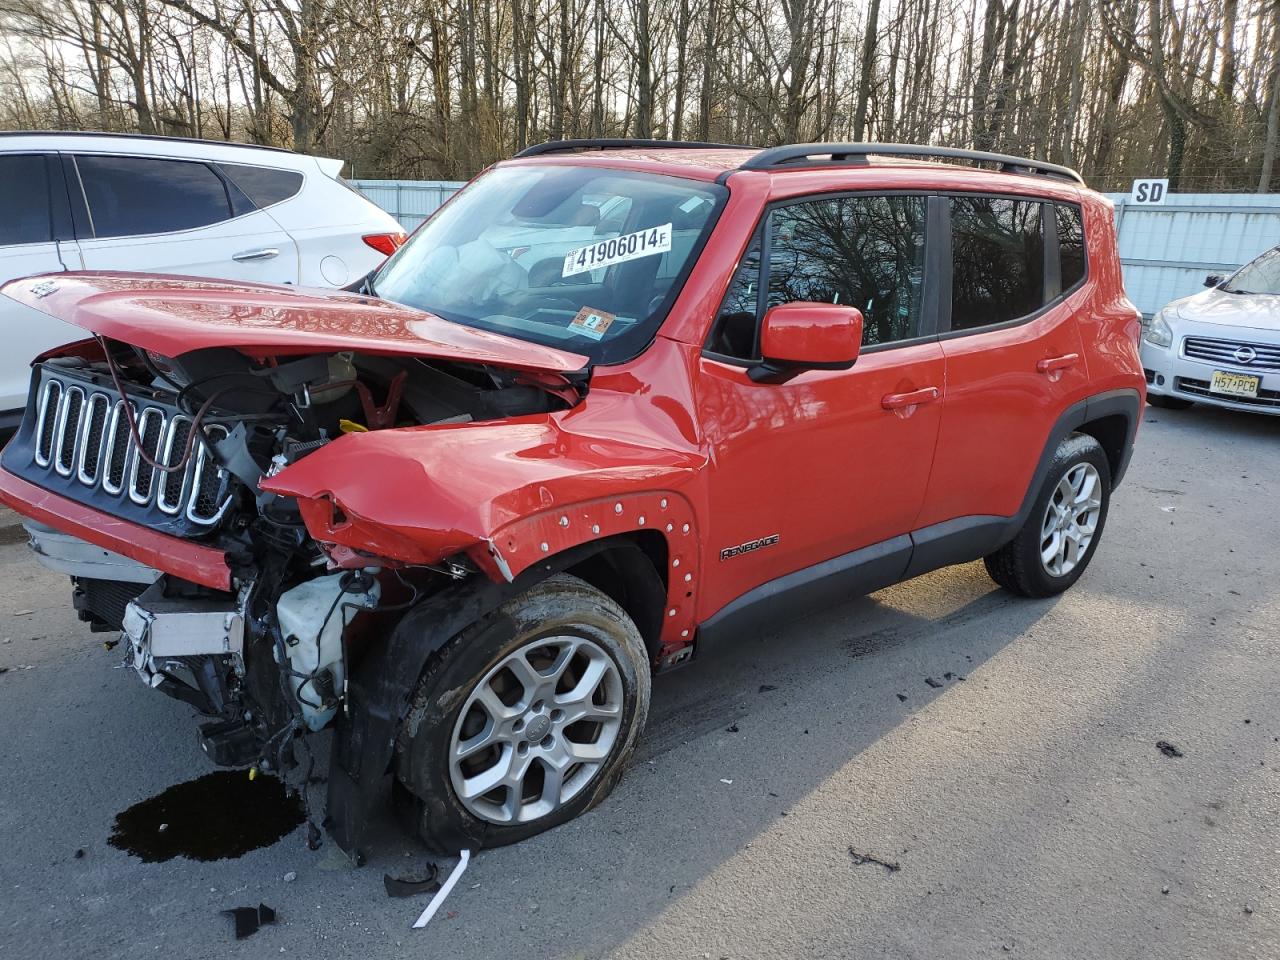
1149	191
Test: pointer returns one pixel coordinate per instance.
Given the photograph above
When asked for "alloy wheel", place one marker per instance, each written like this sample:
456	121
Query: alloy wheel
1070	519
535	730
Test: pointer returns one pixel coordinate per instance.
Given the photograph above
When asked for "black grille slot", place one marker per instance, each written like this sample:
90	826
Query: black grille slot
51	398
68	428
118	444
211	481
95	429
150	432
172	483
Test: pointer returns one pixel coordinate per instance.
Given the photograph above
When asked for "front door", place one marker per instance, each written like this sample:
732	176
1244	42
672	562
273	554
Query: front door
827	462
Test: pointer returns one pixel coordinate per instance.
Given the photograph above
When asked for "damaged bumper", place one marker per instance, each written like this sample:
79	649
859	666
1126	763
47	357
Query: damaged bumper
194	562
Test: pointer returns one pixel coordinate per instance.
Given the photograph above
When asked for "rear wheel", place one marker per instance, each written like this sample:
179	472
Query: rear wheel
525	719
1058	540
1168	403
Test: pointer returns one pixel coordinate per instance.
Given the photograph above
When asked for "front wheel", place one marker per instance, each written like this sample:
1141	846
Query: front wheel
1058	540
525	719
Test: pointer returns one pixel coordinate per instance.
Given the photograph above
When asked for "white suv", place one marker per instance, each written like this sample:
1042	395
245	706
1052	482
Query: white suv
85	201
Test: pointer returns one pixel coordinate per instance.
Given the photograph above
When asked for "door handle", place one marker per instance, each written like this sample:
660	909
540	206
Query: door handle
1057	364
896	401
266	253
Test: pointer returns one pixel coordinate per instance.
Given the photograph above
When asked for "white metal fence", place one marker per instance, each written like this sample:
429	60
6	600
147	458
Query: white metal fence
1166	251
409	201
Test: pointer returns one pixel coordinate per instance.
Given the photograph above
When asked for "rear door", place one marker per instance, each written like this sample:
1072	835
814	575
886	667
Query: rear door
35	237
1015	360
825	462
160	215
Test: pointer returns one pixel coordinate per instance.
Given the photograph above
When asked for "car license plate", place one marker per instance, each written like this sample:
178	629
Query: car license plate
1234	384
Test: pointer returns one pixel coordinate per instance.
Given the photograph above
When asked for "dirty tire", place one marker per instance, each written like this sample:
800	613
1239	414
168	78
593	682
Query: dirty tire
1168	403
559	607
1017	565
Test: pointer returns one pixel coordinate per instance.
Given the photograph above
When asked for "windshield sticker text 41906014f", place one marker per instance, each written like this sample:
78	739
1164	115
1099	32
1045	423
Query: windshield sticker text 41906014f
629	246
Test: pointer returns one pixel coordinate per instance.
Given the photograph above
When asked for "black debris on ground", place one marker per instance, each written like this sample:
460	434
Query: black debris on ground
314	837
426	881
1168	749
951	676
933	682
732	728
766	687
248	920
79	853
860	858
902	698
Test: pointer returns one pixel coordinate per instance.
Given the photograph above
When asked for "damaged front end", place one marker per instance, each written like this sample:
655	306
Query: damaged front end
220	593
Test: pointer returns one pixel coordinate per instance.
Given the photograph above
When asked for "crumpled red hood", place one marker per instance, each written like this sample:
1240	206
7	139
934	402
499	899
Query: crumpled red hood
173	315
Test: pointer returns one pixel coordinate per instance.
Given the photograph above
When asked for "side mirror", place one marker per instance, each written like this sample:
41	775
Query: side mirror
807	336
1213	280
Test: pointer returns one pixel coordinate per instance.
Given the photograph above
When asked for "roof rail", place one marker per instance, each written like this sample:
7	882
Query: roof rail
858	152
102	134
621	143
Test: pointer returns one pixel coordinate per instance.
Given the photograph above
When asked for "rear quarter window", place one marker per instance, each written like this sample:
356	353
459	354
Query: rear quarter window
1071	255
134	196
263	185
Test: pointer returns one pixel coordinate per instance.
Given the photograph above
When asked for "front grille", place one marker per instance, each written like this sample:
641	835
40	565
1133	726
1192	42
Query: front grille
82	434
1240	354
1265	398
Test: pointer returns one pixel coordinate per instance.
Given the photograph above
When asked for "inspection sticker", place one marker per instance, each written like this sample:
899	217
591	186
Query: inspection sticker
629	246
592	323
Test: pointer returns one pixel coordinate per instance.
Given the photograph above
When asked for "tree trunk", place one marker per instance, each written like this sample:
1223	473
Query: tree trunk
868	63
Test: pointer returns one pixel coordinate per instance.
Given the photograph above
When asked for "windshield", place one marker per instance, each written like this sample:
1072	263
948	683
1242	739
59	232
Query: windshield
582	258
1259	276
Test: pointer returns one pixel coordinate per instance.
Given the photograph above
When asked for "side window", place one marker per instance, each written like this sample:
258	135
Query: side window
263	185
1070	244
997	250
862	251
26	214
130	196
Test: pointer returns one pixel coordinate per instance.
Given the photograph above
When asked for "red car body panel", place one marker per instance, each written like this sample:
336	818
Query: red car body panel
195	562
672	441
173	315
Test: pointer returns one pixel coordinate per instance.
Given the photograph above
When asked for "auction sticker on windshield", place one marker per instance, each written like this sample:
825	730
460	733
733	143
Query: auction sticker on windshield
629	246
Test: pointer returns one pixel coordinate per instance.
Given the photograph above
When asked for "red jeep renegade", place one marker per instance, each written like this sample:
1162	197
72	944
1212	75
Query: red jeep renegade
616	399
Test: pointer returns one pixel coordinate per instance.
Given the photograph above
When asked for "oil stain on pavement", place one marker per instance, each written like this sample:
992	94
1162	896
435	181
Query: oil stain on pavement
220	816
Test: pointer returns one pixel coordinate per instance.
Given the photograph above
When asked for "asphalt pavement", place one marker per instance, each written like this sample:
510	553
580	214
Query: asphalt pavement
939	770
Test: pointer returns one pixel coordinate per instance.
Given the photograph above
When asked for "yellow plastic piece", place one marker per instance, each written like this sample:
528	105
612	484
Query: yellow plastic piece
253	773
350	426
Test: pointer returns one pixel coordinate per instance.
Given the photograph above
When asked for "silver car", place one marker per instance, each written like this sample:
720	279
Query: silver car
1220	346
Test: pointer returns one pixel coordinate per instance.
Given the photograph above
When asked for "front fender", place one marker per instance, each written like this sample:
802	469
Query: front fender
505	493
